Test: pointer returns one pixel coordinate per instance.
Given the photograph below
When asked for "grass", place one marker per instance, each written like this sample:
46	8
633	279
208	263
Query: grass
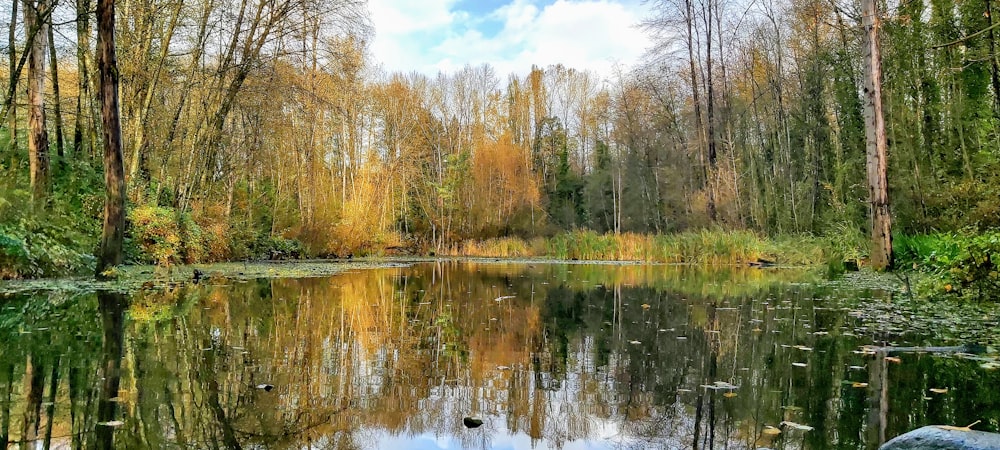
697	247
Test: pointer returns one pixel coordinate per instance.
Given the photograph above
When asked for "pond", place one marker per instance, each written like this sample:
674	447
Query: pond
547	355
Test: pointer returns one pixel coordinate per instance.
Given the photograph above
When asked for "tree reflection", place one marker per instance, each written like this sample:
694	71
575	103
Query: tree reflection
545	354
112	308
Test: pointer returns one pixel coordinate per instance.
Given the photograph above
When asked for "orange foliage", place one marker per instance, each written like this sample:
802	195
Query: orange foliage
504	185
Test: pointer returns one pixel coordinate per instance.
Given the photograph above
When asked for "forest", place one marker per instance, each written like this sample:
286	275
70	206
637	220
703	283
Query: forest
259	129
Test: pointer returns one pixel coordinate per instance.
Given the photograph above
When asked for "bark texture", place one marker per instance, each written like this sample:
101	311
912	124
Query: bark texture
110	253
35	16
877	161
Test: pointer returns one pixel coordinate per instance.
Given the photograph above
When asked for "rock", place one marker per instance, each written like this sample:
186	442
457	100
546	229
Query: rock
936	437
472	422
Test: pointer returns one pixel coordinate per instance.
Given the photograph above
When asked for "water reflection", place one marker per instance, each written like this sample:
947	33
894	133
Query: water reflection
550	356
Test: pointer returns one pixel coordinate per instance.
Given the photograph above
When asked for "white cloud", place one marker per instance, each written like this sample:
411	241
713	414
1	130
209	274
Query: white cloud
582	34
398	26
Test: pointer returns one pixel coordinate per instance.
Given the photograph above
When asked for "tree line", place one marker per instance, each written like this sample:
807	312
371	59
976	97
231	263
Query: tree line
250	124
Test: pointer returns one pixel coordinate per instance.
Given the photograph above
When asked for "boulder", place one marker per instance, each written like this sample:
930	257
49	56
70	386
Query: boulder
936	437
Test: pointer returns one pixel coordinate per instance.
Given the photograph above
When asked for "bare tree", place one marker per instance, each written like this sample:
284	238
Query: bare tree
881	257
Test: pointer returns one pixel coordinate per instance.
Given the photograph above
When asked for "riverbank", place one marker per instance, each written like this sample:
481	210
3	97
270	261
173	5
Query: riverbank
40	253
130	278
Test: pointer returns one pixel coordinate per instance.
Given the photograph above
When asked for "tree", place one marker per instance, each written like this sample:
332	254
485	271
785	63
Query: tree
35	21
881	230
110	252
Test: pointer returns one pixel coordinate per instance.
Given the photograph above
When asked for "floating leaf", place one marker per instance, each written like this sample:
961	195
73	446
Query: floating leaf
635	342
771	431
645	306
965	428
859	384
729	394
799	364
796	426
893	359
112	423
939	390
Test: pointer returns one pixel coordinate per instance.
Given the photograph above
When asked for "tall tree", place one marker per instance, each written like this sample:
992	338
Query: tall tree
110	252
881	230
56	105
36	15
12	60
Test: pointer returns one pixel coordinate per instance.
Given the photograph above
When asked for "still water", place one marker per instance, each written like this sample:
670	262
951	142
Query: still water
548	356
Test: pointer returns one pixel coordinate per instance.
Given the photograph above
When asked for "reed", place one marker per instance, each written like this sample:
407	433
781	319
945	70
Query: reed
712	246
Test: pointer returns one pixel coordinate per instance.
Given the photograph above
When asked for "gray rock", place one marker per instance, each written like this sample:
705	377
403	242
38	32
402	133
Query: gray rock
935	437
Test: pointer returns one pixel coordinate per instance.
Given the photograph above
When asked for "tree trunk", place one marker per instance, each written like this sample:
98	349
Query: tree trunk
710	123
994	64
881	254
110	253
56	104
83	71
695	96
12	112
35	16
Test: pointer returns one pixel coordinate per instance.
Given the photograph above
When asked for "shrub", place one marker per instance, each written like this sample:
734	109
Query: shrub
37	242
156	234
963	265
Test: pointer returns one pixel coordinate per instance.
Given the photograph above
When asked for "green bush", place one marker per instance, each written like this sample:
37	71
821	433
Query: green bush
37	242
156	235
958	265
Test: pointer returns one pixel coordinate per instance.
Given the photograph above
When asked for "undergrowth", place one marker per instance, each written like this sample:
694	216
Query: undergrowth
958	265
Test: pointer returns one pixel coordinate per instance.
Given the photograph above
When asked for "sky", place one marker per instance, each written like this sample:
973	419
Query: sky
431	36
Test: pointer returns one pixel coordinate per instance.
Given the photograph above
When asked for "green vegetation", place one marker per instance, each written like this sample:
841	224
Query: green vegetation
56	239
962	265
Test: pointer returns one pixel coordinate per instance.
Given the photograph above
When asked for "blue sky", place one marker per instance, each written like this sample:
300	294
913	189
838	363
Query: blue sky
429	36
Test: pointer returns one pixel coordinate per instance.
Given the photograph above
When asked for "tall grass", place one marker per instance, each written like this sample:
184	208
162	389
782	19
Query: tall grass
697	247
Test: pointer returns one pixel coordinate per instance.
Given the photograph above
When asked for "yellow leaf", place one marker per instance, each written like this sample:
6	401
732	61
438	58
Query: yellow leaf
729	394
771	431
859	384
893	359
965	428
